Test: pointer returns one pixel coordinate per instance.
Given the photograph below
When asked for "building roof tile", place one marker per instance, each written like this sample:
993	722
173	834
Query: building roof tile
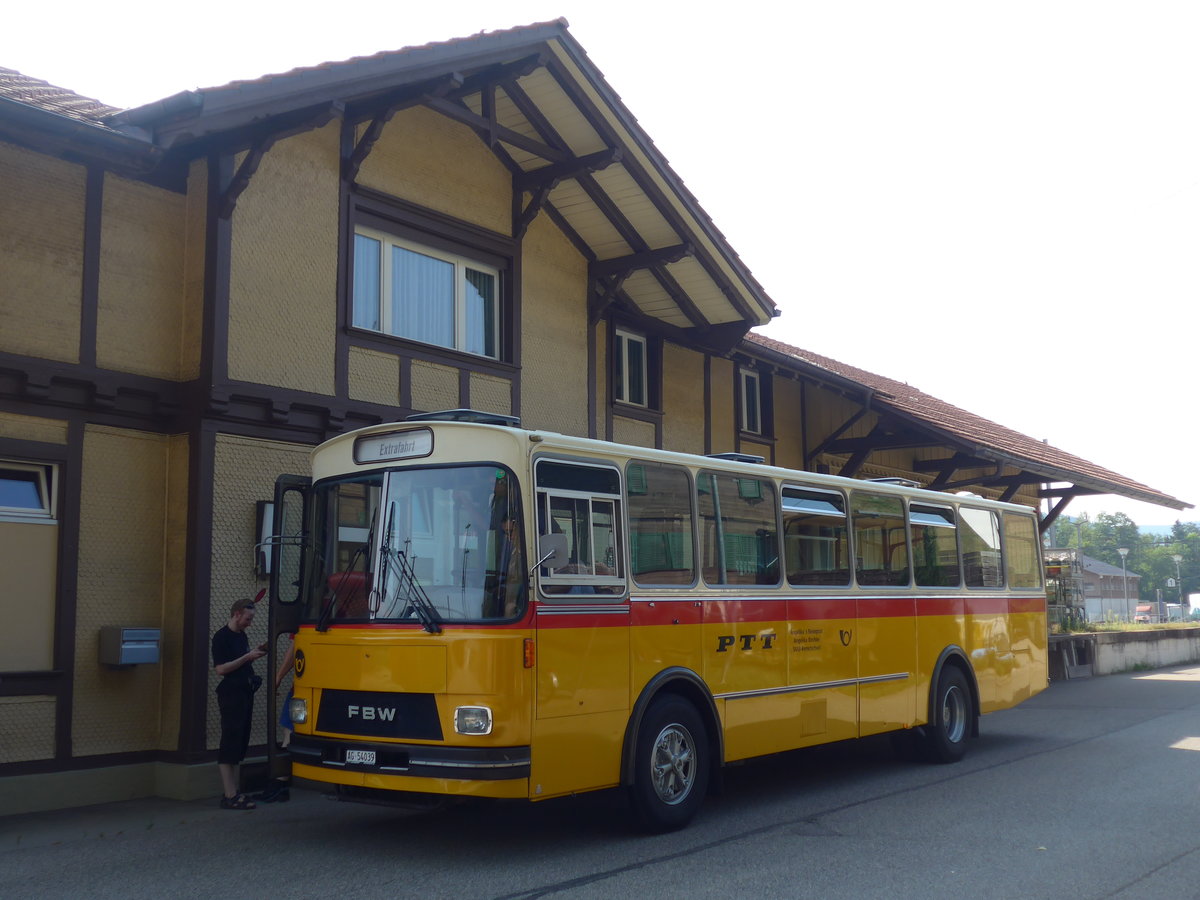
972	430
41	94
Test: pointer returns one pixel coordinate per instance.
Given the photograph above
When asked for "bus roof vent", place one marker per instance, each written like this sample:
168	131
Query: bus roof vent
738	457
466	415
902	482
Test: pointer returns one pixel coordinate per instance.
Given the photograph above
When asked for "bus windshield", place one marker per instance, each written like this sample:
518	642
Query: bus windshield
427	545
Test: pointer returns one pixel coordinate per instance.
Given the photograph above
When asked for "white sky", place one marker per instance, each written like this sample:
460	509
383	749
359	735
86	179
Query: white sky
998	203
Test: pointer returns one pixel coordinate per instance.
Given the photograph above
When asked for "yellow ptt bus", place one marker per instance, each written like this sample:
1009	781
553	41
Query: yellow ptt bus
486	611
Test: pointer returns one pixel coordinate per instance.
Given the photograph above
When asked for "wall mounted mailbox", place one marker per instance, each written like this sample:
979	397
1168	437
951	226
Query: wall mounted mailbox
120	646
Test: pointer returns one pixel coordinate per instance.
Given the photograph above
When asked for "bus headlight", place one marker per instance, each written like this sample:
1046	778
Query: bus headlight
298	709
473	720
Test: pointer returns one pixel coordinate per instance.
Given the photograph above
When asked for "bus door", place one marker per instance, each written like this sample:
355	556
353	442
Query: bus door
581	701
885	636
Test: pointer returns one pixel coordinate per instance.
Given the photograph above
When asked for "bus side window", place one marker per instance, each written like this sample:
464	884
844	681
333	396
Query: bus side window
880	540
983	566
582	503
934	545
660	524
816	543
739	533
1023	561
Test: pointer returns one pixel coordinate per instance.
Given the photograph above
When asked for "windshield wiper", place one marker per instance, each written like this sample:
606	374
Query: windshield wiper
407	586
327	612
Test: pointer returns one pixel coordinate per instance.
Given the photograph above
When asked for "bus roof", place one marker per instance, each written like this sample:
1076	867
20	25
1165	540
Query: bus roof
336	456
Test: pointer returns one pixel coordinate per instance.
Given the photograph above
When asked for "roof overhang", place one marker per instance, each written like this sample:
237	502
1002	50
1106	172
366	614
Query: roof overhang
575	152
909	418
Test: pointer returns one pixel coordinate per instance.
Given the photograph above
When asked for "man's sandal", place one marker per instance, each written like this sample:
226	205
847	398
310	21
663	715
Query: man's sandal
241	801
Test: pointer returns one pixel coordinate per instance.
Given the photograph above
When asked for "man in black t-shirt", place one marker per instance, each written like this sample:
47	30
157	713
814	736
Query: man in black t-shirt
233	660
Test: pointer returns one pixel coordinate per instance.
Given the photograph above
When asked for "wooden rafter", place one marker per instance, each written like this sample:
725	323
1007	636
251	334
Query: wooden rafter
603	296
261	140
550	176
856	460
490	130
403	100
588	109
616	218
881	440
846	426
625	265
946	467
501	74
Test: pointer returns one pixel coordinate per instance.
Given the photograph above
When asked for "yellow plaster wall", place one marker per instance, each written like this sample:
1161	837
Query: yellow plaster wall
33	428
129	500
683	399
283	278
244	472
41	254
633	431
789	433
374	376
554	375
755	448
428	159
722	406
139	323
26	728
28	581
491	394
434	386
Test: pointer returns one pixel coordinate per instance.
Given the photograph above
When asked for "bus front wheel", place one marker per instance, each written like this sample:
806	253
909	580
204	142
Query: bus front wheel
671	765
950	729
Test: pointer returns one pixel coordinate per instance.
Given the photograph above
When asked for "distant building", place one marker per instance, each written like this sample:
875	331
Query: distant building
1090	587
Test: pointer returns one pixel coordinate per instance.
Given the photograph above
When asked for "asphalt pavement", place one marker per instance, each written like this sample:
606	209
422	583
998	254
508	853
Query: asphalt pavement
1090	790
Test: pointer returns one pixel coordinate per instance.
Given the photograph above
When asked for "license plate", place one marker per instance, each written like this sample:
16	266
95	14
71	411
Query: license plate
360	757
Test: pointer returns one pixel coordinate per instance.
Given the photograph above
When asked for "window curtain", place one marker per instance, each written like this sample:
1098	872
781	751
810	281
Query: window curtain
422	297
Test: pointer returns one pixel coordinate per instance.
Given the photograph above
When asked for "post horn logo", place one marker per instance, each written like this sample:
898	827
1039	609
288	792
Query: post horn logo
843	635
299	666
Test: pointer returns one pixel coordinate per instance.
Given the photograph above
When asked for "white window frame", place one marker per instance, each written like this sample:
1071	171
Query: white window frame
745	377
46	481
460	262
623	338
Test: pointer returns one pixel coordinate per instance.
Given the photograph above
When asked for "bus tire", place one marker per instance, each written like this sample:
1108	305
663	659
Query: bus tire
671	765
948	733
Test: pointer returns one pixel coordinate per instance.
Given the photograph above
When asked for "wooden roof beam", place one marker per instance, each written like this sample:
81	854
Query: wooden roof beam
626	265
403	100
548	177
883	441
500	74
490	130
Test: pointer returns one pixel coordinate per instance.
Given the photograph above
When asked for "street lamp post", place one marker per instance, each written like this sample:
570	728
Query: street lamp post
1178	583
1124	551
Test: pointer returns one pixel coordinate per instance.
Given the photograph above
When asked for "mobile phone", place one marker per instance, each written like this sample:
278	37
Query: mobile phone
262	646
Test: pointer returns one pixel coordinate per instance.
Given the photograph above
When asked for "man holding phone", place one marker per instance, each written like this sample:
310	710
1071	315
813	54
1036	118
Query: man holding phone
233	660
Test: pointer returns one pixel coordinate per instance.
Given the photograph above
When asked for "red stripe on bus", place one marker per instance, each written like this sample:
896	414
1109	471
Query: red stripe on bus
1027	604
807	610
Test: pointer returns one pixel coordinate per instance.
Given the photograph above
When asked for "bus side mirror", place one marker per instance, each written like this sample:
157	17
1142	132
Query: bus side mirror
552	550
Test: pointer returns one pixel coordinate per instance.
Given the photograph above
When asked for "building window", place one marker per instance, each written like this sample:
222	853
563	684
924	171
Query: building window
630	368
750	387
425	294
25	491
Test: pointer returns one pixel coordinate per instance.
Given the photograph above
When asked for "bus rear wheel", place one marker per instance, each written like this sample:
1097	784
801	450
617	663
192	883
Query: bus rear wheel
948	733
670	766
